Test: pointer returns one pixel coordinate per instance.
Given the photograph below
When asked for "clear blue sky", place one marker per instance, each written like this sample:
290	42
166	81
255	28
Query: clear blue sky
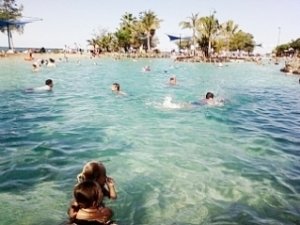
69	21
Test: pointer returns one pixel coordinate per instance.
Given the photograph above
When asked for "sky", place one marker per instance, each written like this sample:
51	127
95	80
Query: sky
65	22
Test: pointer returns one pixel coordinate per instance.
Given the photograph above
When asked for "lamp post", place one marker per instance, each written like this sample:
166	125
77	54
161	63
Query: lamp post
278	39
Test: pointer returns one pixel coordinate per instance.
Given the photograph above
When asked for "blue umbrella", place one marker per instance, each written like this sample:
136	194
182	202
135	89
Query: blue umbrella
7	24
173	38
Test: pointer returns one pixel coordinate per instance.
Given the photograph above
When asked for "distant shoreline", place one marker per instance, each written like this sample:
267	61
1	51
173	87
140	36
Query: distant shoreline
22	49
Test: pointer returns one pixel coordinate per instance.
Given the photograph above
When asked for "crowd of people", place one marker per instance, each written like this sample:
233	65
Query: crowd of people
93	185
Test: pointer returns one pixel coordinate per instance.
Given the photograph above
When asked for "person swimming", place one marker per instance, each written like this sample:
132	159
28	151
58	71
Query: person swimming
209	100
116	88
209	95
47	87
146	69
172	80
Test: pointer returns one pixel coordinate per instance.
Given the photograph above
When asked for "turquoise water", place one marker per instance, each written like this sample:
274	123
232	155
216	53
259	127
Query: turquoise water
235	164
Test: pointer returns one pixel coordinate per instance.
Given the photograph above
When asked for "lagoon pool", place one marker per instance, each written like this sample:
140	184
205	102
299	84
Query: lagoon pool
234	164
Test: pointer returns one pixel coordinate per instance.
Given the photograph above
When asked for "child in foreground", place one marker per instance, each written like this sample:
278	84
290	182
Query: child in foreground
88	197
95	171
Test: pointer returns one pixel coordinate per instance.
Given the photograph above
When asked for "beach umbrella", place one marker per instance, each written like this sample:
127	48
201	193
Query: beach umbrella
9	24
174	38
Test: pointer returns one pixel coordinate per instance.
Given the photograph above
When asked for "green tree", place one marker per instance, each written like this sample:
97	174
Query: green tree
288	48
148	24
208	29
107	42
192	23
281	49
93	42
125	34
9	10
228	30
295	44
242	41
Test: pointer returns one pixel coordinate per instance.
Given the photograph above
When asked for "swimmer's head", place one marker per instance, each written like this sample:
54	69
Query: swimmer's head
146	68
49	82
209	95
115	87
88	194
172	80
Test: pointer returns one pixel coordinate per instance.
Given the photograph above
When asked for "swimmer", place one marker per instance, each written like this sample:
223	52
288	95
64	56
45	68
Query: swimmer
35	67
116	88
209	96
30	57
51	63
47	87
220	64
146	68
210	100
172	80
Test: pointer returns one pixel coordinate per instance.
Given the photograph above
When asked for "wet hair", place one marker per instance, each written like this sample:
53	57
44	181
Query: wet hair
51	60
87	194
92	171
117	86
209	95
172	78
48	82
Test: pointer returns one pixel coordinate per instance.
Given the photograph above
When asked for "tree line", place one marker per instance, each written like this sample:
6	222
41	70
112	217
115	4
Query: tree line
136	32
287	49
208	35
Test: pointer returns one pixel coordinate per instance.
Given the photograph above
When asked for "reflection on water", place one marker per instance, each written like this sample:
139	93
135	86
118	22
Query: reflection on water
235	164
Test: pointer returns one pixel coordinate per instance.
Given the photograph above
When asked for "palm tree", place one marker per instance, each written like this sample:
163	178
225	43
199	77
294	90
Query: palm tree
229	29
124	32
9	10
191	24
127	20
93	42
148	24
208	28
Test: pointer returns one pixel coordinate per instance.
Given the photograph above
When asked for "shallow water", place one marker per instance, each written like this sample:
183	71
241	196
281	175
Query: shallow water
235	164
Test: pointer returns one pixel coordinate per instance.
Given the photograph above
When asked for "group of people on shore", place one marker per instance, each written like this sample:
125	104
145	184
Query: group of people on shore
93	185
